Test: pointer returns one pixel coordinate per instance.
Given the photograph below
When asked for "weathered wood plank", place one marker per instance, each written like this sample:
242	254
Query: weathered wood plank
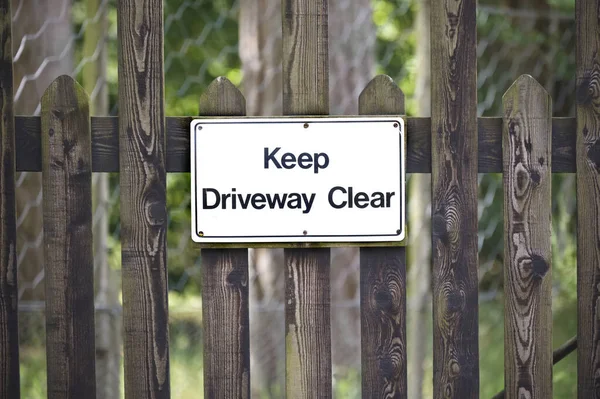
383	282
454	199
527	250
587	14
305	57
105	144
226	323
307	310
383	322
9	331
143	198
307	323
225	286
69	268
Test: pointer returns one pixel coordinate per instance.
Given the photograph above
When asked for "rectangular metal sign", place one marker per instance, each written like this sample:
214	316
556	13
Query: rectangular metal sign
298	180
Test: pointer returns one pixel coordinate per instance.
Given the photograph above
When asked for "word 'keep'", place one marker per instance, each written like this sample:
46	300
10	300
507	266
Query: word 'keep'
289	161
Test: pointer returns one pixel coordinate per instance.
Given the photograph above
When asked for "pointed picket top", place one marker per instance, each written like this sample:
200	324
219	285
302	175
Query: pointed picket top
67	224
527	160
381	96
65	91
65	99
527	93
222	98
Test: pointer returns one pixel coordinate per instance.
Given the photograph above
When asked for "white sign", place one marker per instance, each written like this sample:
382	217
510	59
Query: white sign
298	180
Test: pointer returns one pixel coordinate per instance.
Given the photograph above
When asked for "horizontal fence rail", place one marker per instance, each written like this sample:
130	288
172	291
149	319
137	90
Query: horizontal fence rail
105	144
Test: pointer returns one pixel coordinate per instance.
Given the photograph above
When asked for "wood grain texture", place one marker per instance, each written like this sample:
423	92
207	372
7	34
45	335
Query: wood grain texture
383	282
143	198
587	14
383	322
9	295
527	250
226	323
307	325
225	285
69	263
105	144
305	57
454	199
307	310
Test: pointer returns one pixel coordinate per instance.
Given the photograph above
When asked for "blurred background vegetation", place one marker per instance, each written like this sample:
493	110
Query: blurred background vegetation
240	39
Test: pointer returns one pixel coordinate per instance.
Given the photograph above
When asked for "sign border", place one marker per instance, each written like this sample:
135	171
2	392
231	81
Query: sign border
197	238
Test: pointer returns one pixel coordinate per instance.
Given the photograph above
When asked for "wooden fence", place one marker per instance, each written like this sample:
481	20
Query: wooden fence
526	144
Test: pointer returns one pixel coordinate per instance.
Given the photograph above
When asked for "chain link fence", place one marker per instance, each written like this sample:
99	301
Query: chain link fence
241	39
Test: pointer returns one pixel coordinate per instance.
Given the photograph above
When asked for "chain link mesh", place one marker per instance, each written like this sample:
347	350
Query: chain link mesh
240	39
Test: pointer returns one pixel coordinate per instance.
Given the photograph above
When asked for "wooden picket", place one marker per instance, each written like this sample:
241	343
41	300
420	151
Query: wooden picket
587	19
454	199
225	318
383	282
105	144
527	228
143	198
307	299
9	325
69	264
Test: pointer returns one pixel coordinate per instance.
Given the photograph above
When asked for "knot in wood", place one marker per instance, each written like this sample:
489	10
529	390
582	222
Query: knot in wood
593	154
235	278
455	300
539	267
156	213
583	91
384	299
535	177
454	368
448	391
440	230
387	367
521	182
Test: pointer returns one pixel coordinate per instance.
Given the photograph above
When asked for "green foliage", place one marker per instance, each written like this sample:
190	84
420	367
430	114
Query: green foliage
396	44
33	371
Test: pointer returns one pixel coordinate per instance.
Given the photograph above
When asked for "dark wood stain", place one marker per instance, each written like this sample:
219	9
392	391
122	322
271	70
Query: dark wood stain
383	322
105	144
142	143
527	250
69	263
454	199
225	286
383	283
9	333
587	15
307	311
226	323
